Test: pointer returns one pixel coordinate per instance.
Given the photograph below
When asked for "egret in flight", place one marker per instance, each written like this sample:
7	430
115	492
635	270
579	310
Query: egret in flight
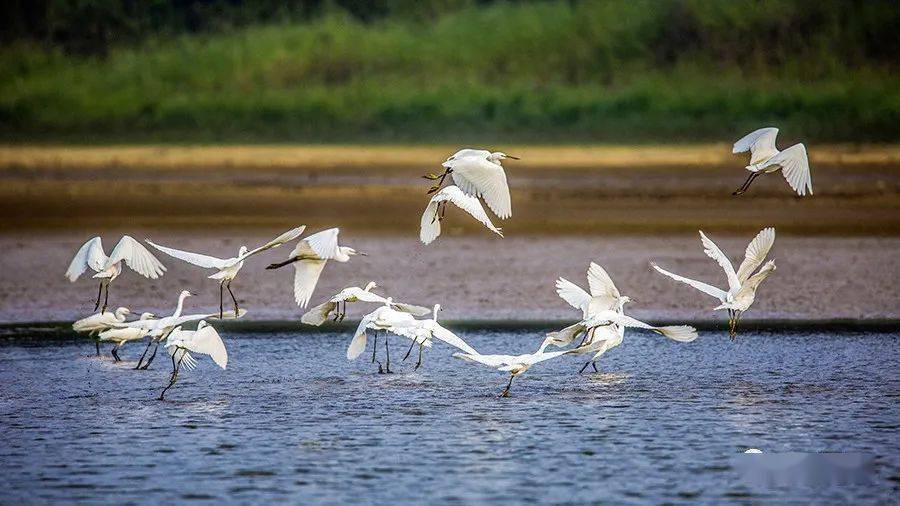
765	159
742	284
227	268
384	318
515	365
204	341
430	227
108	268
479	173
337	304
422	331
120	336
99	322
309	258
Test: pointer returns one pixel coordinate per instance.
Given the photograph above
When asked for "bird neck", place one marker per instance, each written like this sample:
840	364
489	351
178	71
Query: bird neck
180	306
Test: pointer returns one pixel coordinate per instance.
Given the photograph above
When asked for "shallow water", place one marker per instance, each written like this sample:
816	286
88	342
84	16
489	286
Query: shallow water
292	420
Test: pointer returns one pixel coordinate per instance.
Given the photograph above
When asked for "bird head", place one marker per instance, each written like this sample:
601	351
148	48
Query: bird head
202	324
242	250
624	300
370	286
147	316
350	251
122	311
185	293
500	155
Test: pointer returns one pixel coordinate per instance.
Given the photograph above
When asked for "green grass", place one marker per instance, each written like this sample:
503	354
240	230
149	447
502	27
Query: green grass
541	72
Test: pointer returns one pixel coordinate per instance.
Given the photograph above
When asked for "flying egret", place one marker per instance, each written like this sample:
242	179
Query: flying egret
120	336
383	318
309	258
338	305
99	322
421	331
181	343
765	159
513	364
479	173
742	284
227	268
430	227
107	269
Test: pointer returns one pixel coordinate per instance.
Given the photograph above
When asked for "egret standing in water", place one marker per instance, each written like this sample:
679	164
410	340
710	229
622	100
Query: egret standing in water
120	336
99	322
742	285
205	341
108	268
227	268
479	173
384	318
515	365
309	258
422	331
337	304
430	226
766	159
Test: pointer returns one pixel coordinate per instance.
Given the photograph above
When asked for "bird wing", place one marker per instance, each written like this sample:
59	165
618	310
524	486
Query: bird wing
365	296
795	168
430	226
91	255
600	283
319	314
205	261
699	285
324	243
465	153
573	294
713	251
479	177
288	236
488	360
306	275
410	308
208	342
136	256
760	143
681	333
563	337
358	343
546	355
442	333
756	253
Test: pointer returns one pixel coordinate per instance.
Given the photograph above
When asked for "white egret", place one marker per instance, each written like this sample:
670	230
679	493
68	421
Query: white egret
181	343
430	227
120	336
513	364
108	268
384	318
765	159
479	173
227	268
338	305
742	285
99	322
309	258
421	331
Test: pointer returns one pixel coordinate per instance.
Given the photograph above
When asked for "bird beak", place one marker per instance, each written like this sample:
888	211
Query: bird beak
191	293
361	253
513	157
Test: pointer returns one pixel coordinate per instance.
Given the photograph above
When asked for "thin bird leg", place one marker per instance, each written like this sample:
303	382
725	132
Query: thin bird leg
99	292
173	379
744	187
152	356
589	362
419	362
236	311
105	298
173	363
508	385
221	298
141	360
437	211
115	353
595	366
375	347
387	354
97	343
443	211
343	312
413	343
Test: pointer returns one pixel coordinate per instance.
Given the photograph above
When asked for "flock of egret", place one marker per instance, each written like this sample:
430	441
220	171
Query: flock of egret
477	175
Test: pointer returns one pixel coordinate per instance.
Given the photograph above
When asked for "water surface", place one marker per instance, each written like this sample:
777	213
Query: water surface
291	420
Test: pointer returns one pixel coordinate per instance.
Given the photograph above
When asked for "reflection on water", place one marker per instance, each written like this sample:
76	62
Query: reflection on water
292	420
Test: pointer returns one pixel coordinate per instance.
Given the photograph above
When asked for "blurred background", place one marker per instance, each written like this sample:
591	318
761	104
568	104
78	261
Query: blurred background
207	124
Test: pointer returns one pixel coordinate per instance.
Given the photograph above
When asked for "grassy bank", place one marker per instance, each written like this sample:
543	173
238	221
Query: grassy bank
534	72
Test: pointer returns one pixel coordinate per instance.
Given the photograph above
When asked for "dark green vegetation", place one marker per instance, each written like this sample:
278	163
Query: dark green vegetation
451	71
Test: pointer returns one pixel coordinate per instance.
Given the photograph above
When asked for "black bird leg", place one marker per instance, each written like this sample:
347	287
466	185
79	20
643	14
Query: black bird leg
141	360
99	293
387	353
173	378
508	385
115	353
233	299
221	299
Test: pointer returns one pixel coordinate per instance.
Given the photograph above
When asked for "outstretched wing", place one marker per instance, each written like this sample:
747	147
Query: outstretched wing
600	283
681	333
205	261
760	143
91	255
563	337
324	243
573	294
795	167
465	153
442	333
288	236
699	285
306	276
479	177
430	226
208	342
319	314
136	256
358	343
713	251
488	360
410	308
756	253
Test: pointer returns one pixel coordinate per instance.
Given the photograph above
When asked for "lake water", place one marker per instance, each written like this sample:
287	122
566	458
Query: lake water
292	421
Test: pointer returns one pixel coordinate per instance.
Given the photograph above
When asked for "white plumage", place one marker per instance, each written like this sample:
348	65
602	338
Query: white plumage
430	227
319	314
765	159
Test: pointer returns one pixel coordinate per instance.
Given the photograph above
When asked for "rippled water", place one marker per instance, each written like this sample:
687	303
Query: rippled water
292	420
